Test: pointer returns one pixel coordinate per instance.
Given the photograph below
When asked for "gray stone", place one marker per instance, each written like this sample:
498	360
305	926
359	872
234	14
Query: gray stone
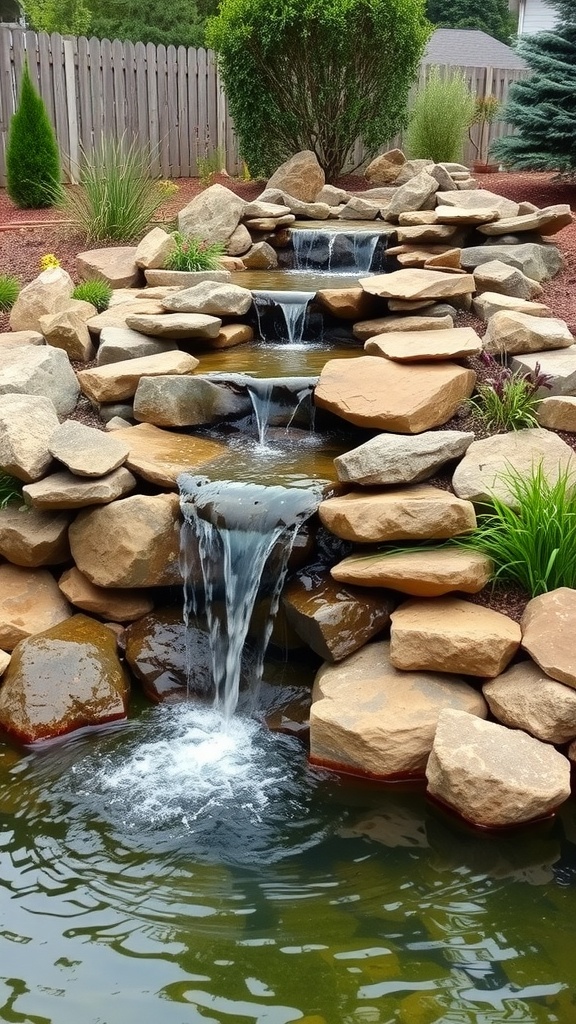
186	401
393	459
332	196
559	365
212	215
540	262
359	209
444	179
26	424
86	451
40	370
412	195
154	249
211	298
484	471
517	333
411	168
239	242
176	325
115	266
65	490
119	343
50	292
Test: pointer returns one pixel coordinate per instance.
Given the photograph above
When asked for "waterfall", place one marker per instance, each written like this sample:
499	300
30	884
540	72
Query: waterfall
273	397
260	392
335	251
293	307
242	533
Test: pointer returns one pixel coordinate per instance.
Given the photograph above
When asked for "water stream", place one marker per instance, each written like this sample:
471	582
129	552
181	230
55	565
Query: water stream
345	252
292	306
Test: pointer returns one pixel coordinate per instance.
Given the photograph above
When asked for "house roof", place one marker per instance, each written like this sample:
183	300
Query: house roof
467	47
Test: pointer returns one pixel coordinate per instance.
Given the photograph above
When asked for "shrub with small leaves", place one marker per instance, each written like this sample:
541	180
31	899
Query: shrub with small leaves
10	489
9	289
507	399
98	293
32	156
192	254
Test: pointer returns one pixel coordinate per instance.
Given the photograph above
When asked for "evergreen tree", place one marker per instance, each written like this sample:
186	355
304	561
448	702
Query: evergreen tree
491	16
32	157
147	21
542	108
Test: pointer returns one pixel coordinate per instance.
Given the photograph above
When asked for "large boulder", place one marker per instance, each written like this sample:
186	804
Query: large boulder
116	605
30	602
538	262
494	776
384	169
412	195
419	573
42	370
32	539
478	199
211	298
485	470
419	512
548	625
187	401
369	719
524	697
50	292
394	459
301	176
86	451
117	267
66	679
213	215
26	424
167	656
68	330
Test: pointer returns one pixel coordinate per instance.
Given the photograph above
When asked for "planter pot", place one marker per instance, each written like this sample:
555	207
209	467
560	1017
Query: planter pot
479	167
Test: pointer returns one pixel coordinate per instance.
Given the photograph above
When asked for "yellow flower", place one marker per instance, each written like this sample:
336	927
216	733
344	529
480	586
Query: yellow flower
49	261
168	187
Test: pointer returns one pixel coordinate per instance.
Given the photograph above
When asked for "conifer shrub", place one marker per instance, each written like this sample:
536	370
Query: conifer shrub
32	157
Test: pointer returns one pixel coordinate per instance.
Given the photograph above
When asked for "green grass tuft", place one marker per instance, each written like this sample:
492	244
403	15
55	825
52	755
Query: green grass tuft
9	290
98	293
507	400
194	254
10	489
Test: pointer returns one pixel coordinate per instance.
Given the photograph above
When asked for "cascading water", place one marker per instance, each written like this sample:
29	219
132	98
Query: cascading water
242	533
293	307
341	251
273	398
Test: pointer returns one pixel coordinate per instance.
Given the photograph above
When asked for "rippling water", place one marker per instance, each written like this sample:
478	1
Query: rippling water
169	872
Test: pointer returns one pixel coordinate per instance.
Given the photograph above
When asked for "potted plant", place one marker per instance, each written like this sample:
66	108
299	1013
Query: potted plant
485	111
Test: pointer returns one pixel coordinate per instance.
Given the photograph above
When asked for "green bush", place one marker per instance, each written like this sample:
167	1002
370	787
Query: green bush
533	543
9	289
117	197
507	400
32	157
194	254
10	489
440	117
96	292
317	74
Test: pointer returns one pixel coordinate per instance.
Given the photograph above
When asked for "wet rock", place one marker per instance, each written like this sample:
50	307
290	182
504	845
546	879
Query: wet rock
186	401
389	459
30	602
117	267
154	249
120	343
538	262
65	679
485	470
346	303
212	215
40	370
117	605
161	455
156	653
33	539
301	176
419	573
86	451
129	543
211	298
447	634
548	625
369	719
419	512
334	620
524	697
488	303
116	381
180	326
494	776
422	346
67	491
50	292
514	333
418	284
557	413
68	331
26	424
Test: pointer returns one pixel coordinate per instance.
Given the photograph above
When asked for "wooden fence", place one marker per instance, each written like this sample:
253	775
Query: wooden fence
169	98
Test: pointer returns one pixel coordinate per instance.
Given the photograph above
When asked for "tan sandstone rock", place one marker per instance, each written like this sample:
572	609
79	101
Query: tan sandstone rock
488	303
411	285
50	292
478	199
524	697
485	469
419	512
514	333
557	413
33	539
212	215
301	176
30	602
346	303
366	329
115	266
86	451
547	221
496	276
419	573
118	315
161	455
433	346
117	605
68	331
115	381
548	626
26	424
394	459
179	326
384	169
154	249
65	490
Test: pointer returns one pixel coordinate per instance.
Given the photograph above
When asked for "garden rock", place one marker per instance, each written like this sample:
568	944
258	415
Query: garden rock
65	490
68	678
559	365
444	179
517	333
492	776
447	634
496	276
524	697
117	315
478	199
117	605
26	425
275	211
133	542
184	278
86	451
331	619
176	325
539	262
120	343
423	234
366	329
463	217
415	285
48	293
117	267
232	335
548	625
358	208
298	207
411	168
159	456
239	242
412	195
557	413
68	331
154	249
261	256
384	169
5	660
419	573
156	648
393	459
211	298
373	392
116	381
34	539
488	303
346	303
301	176
418	512
544	222
370	719
40	370
186	402
483	472
213	215
30	602
13	339
417	346
332	196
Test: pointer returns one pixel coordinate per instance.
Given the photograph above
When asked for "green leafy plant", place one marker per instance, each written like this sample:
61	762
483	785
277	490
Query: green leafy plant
117	197
9	289
194	254
531	540
10	489
485	111
491	16
210	165
32	157
440	117
507	400
323	72
98	293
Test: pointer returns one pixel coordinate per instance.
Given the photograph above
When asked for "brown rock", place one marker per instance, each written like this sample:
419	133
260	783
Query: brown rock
68	331
414	346
115	381
369	719
67	491
415	217
26	424
548	625
525	698
5	660
154	249
450	635
301	176
33	539
180	326
118	605
419	573
557	413
161	455
156	652
86	451
366	329
485	469
494	776
449	260
384	169
115	266
261	256
419	512
346	303
232	335
373	392
415	285
129	543
67	678
513	333
50	292
30	602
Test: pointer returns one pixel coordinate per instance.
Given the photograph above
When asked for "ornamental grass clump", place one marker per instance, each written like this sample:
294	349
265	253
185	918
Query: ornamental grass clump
532	540
192	254
9	290
507	399
440	118
10	489
97	293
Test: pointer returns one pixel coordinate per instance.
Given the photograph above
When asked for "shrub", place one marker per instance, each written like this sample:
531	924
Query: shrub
117	197
507	400
32	158
9	288
440	117
533	543
194	254
10	489
321	72
211	164
98	293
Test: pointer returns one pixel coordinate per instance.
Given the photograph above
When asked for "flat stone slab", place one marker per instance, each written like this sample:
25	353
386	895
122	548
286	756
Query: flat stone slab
421	346
494	776
66	491
478	199
366	329
117	315
159	456
419	512
390	459
514	333
419	573
447	634
86	451
538	262
13	339
545	222
488	303
176	325
524	697
464	216
211	298
116	381
559	365
548	626
418	285
115	266
369	719
374	392
485	470
184	278
111	604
